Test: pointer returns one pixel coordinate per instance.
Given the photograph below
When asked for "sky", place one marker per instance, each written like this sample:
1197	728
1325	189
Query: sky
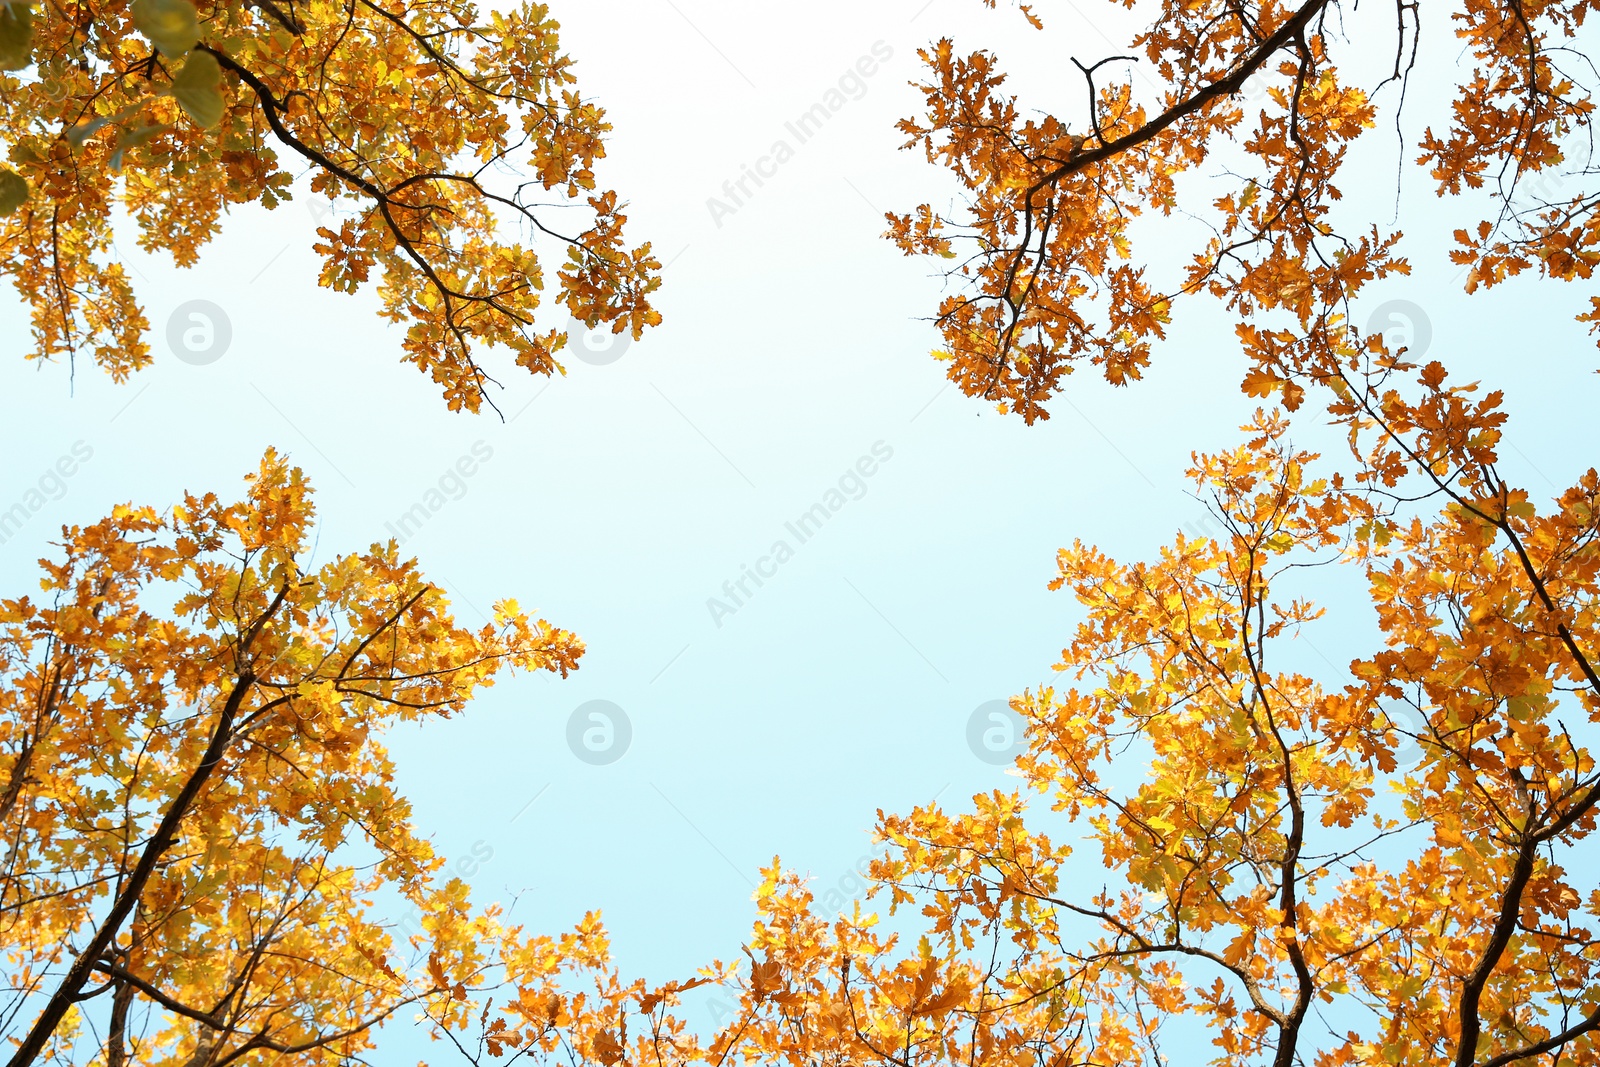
623	500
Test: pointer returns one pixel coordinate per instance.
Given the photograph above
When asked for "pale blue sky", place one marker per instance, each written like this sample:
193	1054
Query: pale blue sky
617	500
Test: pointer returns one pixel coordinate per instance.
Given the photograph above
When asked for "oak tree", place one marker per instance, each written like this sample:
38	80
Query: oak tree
447	141
1233	852
1222	141
206	860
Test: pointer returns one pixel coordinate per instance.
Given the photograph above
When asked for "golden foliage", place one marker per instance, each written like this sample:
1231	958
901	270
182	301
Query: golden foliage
408	115
1271	872
1273	877
1047	268
199	811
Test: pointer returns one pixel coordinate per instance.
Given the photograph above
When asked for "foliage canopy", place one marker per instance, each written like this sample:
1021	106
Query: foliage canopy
433	125
184	790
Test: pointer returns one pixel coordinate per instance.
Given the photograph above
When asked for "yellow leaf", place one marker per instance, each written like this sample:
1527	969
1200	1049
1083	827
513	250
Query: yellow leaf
198	89
16	36
13	191
173	26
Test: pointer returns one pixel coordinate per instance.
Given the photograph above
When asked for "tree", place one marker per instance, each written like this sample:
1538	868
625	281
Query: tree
1274	880
199	814
1045	240
1273	877
410	115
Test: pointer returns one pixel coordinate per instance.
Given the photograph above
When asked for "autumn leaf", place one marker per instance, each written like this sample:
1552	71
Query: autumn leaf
607	1048
1261	383
766	976
173	26
16	35
198	88
13	191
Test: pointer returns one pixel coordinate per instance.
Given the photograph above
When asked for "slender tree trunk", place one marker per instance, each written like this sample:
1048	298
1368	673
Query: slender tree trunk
165	834
116	1035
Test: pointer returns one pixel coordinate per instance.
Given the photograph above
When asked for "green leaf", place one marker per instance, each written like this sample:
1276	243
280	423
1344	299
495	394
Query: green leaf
173	26
1522	708
13	191
198	89
16	36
